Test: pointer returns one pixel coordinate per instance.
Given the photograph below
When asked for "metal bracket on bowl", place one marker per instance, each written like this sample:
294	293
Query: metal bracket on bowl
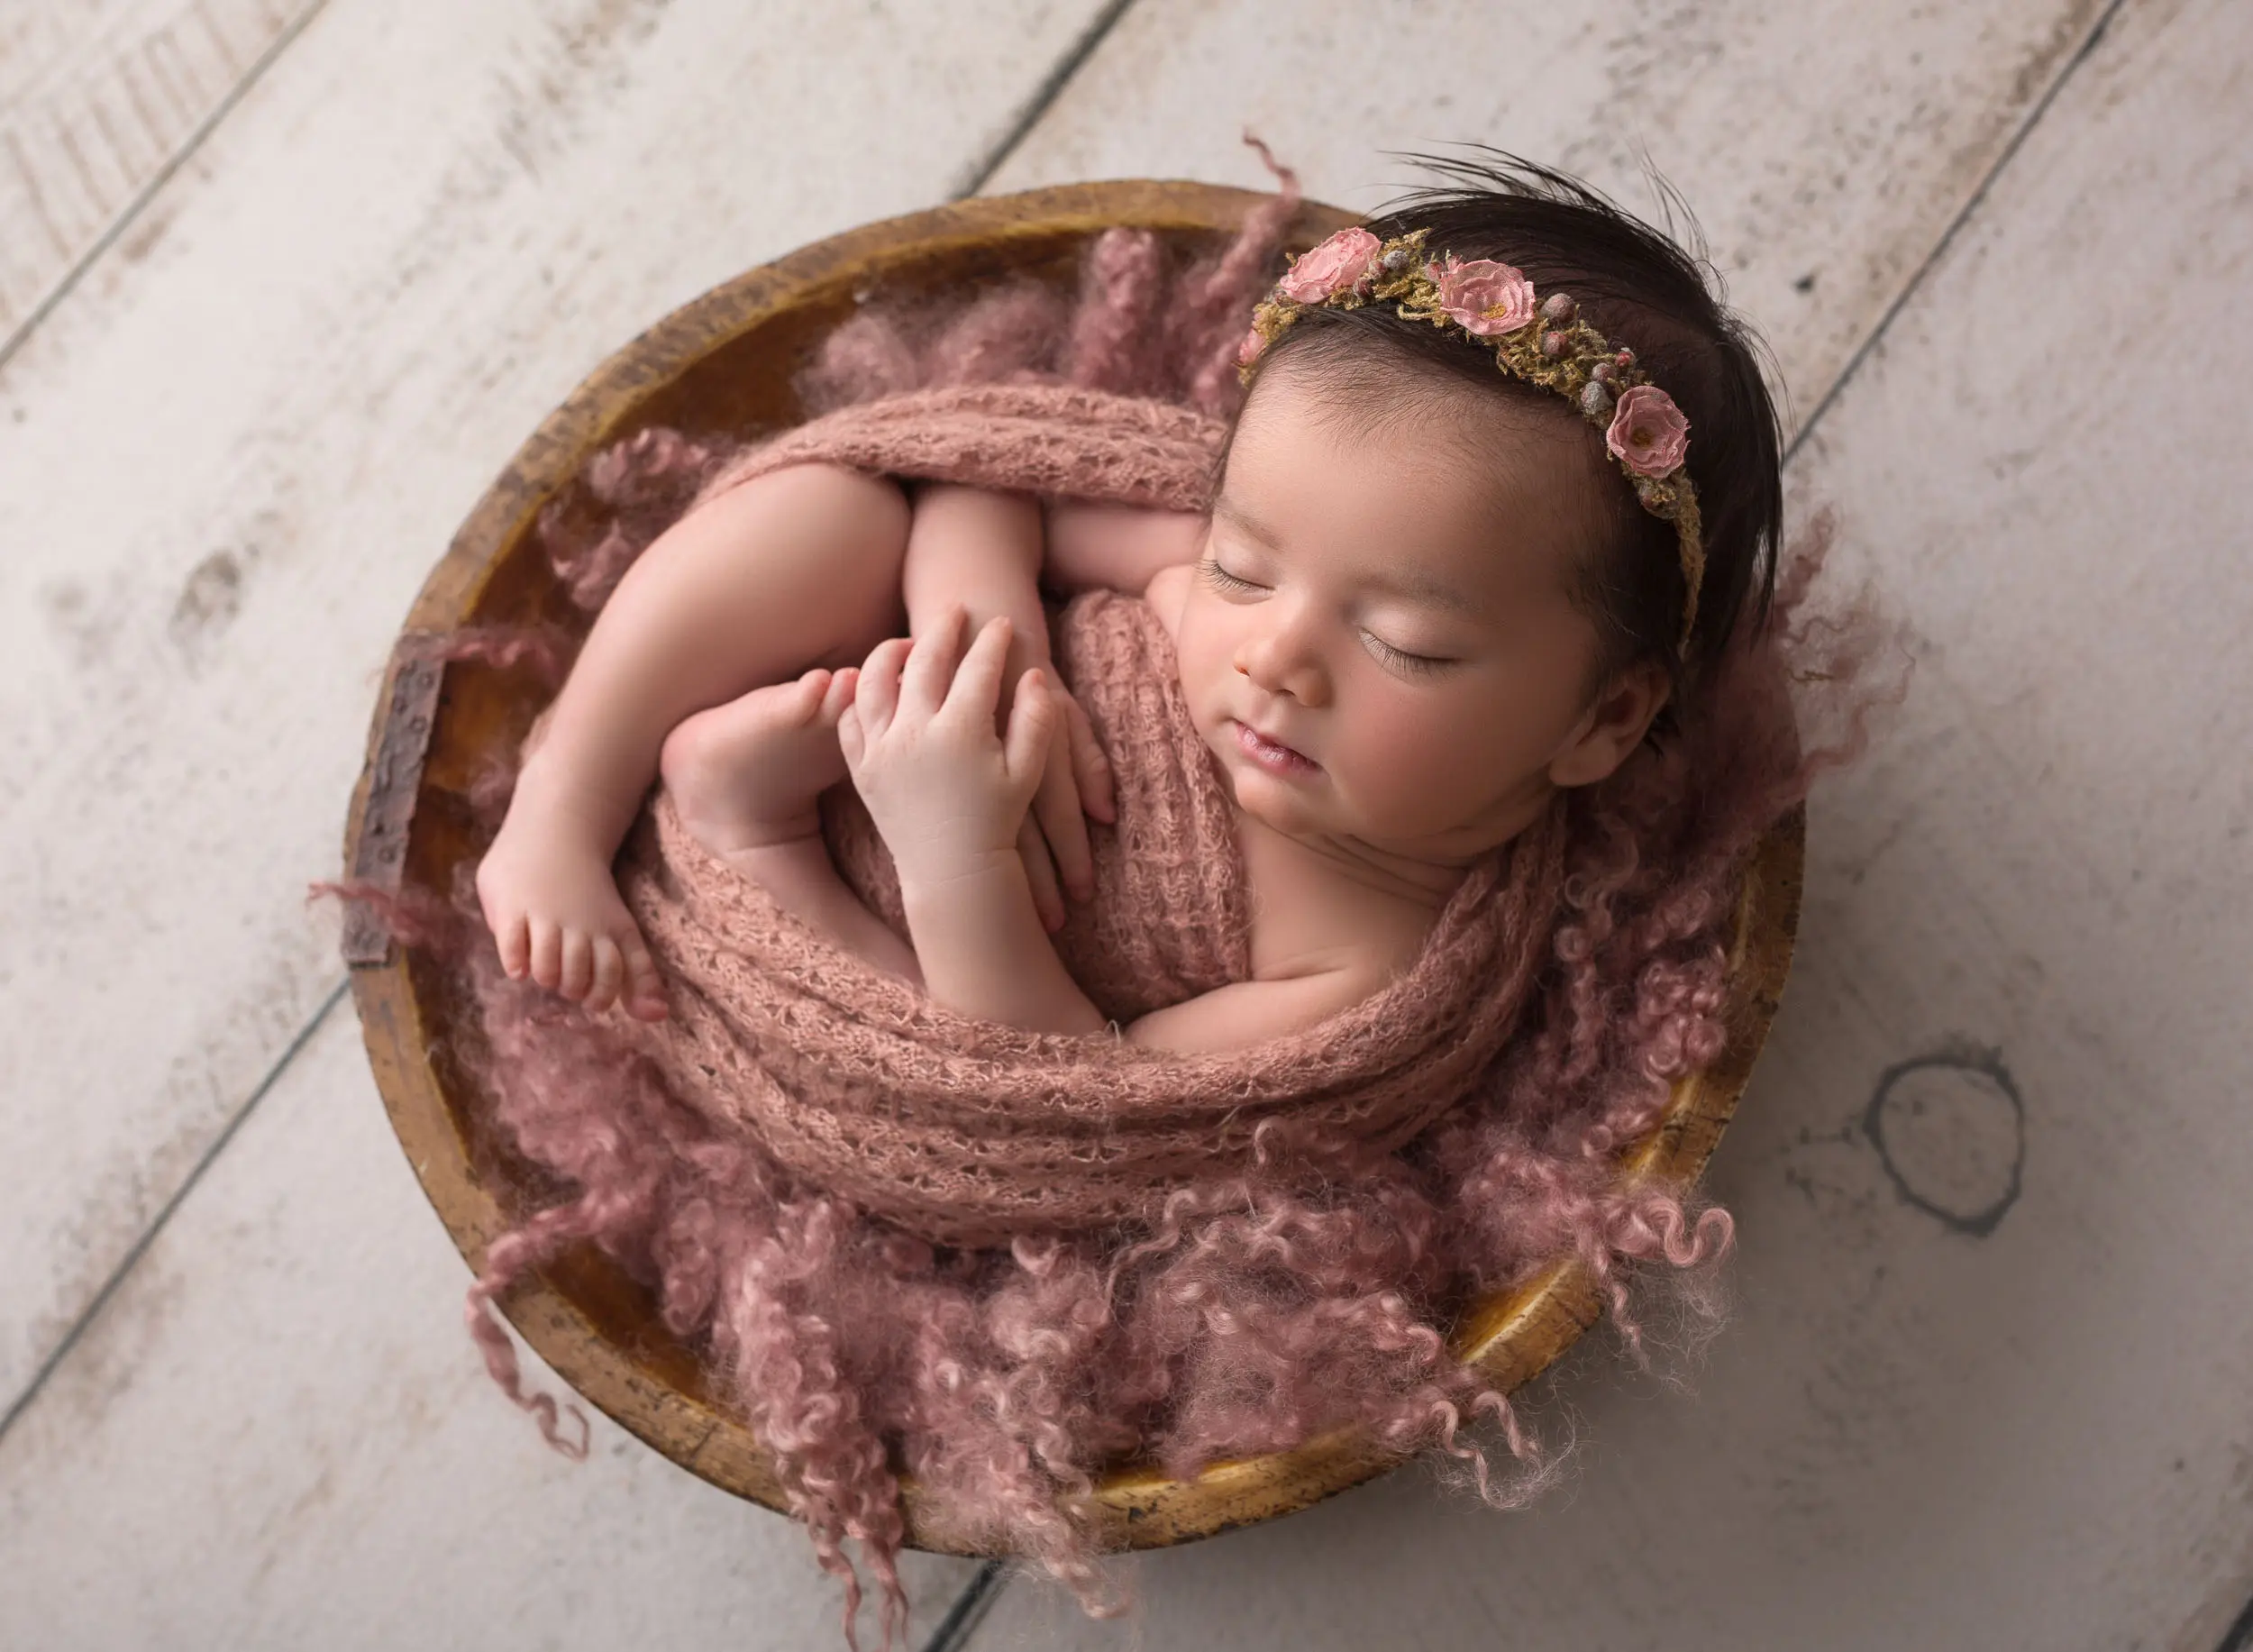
395	775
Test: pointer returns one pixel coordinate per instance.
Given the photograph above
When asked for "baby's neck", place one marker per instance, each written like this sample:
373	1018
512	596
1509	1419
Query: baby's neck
1421	875
1419	882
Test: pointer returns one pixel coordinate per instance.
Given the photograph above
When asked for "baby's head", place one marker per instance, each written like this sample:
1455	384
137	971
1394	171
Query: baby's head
1430	579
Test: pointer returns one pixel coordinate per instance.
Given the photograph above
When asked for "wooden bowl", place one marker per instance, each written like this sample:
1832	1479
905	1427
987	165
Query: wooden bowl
721	365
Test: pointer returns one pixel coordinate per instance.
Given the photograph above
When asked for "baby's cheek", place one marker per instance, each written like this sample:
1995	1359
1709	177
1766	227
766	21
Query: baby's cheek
1197	657
1428	767
1404	763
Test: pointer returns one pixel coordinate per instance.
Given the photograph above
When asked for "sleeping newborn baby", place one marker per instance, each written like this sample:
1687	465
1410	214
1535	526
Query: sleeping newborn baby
1461	555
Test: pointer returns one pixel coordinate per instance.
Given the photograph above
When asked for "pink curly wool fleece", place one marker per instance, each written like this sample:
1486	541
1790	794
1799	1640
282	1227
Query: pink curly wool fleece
1243	1311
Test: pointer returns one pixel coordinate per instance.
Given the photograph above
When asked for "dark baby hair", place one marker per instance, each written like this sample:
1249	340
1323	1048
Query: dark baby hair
1639	289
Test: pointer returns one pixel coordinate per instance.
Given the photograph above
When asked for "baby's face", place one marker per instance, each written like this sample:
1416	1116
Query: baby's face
1391	606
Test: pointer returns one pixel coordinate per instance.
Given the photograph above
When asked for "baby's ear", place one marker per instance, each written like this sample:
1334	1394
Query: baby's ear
1612	727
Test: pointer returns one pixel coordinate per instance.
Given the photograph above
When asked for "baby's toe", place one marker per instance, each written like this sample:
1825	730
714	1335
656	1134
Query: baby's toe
547	952
837	697
578	964
609	974
513	935
644	987
807	695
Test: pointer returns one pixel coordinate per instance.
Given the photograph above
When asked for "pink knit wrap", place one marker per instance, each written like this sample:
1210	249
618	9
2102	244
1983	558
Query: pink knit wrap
968	1132
1059	441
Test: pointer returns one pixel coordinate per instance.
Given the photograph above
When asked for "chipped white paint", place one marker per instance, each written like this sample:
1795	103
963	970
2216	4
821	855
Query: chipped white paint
226	468
276	1436
1823	146
97	97
1913	1436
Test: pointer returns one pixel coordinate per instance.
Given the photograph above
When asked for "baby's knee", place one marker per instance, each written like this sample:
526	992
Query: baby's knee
867	511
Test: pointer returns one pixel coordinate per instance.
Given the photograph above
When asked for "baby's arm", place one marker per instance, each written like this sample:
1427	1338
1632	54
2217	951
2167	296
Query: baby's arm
1117	547
973	549
981	553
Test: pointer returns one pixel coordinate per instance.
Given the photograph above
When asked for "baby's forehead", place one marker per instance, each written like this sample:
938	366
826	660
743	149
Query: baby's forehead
1510	463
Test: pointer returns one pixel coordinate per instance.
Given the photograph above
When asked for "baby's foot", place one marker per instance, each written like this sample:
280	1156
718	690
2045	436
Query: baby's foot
746	778
556	916
746	775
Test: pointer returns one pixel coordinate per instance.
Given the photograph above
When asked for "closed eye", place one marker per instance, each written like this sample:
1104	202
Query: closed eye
1220	578
1400	660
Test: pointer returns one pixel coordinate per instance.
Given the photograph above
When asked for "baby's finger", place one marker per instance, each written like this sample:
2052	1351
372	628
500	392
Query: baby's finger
931	665
578	964
1040	872
1056	806
547	955
609	975
1032	730
1090	769
644	987
977	690
876	695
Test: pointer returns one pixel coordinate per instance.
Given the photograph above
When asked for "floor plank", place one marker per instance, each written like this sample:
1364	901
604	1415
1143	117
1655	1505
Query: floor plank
1824	147
98	99
1962	1404
278	1436
230	460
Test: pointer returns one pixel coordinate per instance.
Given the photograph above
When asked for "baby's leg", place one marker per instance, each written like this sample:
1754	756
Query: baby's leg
799	568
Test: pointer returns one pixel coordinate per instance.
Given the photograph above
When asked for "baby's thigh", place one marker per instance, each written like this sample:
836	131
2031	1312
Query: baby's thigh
820	549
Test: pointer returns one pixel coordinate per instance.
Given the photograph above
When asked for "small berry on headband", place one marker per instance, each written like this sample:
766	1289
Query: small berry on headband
1339	263
1486	297
1648	434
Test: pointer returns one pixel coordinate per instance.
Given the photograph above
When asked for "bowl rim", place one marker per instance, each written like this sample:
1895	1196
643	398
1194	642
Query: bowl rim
1512	1336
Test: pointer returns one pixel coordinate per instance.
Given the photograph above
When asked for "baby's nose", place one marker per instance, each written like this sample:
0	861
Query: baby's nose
1283	659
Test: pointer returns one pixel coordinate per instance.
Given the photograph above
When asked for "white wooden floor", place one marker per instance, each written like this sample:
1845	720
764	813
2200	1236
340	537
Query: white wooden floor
283	282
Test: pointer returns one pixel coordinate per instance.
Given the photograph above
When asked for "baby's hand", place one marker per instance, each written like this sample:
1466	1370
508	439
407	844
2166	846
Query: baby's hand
946	791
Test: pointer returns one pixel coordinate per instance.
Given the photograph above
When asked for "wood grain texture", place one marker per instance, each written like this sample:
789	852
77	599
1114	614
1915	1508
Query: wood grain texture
1823	146
98	98
1985	1387
724	363
226	468
273	1441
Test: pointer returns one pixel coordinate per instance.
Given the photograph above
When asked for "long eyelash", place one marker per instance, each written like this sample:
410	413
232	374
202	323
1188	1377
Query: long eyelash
1416	665
1214	574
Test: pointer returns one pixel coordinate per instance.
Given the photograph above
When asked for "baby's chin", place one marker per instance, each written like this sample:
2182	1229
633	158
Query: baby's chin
1281	805
1280	814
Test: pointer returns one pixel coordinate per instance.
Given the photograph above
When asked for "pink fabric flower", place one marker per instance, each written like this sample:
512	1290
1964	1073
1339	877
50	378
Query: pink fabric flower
1249	351
1489	299
1336	264
1648	434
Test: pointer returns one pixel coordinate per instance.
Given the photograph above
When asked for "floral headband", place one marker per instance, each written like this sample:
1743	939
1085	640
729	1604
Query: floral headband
1544	345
